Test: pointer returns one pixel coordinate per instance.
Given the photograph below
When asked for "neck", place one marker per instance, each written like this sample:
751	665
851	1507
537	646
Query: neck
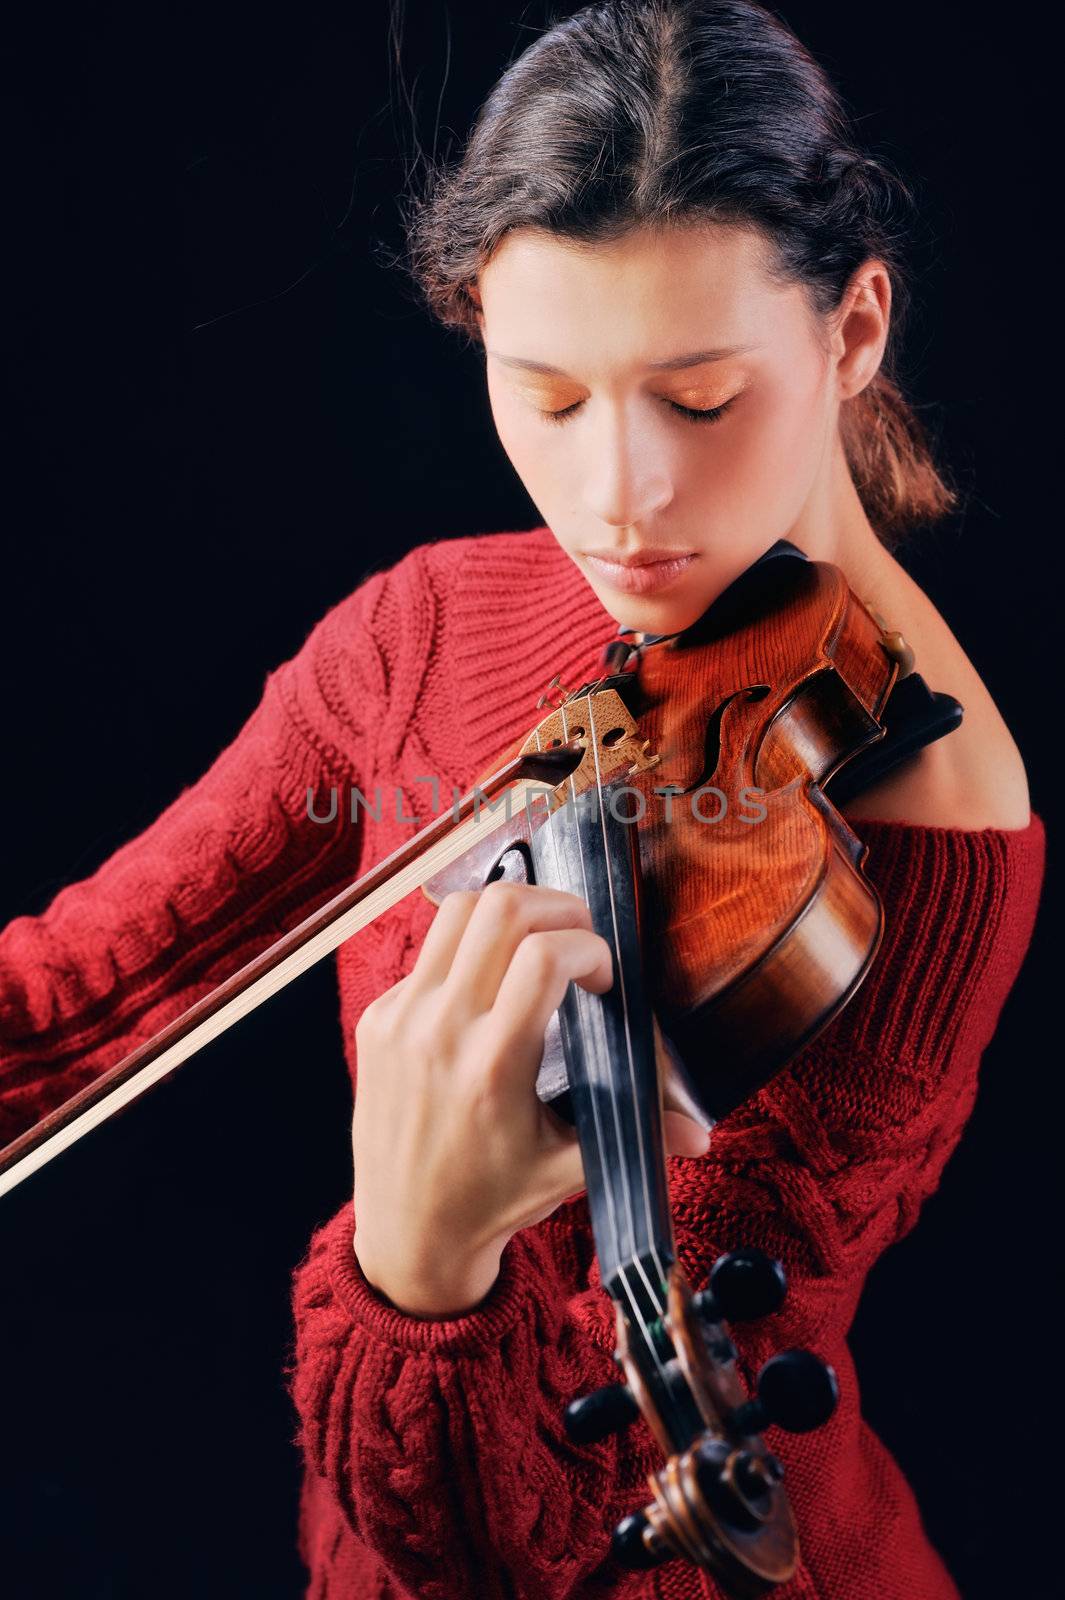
833	526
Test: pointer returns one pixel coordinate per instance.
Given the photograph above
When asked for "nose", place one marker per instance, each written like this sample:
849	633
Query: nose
628	478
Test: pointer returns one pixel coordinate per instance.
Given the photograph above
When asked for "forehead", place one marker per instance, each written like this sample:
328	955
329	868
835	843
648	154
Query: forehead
639	298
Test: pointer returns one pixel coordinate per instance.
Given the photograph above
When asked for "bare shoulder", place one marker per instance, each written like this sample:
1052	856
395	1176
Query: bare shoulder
973	777
957	782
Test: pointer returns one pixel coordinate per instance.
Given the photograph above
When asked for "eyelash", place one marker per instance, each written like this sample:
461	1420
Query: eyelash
713	414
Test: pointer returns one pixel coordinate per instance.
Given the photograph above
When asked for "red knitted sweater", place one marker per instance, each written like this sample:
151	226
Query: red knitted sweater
435	1460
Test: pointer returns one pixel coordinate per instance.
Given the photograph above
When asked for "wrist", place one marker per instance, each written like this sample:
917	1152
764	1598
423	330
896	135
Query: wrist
432	1289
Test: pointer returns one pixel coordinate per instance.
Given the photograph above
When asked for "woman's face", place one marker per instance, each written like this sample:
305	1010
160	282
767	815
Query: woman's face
659	395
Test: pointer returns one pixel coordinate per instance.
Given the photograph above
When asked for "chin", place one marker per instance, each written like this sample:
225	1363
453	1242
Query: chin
647	617
670	613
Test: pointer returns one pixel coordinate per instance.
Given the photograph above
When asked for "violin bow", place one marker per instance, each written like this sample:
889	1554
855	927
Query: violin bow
519	782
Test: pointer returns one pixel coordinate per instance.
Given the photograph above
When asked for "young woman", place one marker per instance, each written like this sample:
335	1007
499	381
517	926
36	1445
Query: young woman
683	273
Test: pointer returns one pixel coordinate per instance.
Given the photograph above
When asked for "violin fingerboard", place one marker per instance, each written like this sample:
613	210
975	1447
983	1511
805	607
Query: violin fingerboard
608	1046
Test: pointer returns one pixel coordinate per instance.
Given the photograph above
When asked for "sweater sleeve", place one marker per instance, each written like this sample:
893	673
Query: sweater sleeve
441	1440
241	856
831	1162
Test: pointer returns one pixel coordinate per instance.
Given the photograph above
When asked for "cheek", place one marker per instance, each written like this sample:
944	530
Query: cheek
547	460
517	428
540	452
759	464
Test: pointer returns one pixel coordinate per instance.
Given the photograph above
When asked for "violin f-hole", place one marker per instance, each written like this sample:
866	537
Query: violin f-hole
512	865
712	736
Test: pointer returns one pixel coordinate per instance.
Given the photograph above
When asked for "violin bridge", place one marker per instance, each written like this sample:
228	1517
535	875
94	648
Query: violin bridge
603	724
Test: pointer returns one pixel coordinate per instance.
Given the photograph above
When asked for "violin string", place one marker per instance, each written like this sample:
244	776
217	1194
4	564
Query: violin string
600	1141
608	1085
635	1261
637	1122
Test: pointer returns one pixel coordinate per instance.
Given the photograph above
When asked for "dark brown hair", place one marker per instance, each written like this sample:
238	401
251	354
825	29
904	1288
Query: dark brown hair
661	112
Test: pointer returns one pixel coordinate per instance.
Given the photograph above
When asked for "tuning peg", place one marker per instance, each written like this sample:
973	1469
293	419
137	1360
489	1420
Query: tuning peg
604	1411
796	1390
744	1285
629	1546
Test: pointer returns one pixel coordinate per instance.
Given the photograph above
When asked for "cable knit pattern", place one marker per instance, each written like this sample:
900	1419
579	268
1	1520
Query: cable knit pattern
219	876
436	1465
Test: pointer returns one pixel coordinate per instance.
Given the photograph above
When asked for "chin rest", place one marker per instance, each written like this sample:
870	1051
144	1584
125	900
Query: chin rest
914	715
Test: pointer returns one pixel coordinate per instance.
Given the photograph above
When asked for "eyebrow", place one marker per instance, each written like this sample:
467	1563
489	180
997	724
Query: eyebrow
674	364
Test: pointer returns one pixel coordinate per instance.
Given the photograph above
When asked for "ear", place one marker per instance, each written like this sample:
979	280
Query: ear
862	323
474	294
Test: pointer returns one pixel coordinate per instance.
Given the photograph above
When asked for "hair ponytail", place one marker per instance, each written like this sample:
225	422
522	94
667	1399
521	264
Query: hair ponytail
891	463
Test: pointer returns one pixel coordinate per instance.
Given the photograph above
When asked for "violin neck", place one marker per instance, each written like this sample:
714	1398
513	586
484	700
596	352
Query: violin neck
609	1047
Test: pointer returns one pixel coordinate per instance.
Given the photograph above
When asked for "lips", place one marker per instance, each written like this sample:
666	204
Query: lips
642	571
639	558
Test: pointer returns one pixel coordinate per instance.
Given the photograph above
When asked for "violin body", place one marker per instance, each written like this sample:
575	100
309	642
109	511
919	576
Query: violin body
769	924
764	922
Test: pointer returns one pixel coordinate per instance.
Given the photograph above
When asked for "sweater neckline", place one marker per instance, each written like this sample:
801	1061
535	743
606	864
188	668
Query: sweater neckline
1033	826
553	614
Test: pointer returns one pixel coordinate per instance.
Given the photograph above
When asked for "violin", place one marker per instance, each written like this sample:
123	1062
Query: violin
731	892
682	795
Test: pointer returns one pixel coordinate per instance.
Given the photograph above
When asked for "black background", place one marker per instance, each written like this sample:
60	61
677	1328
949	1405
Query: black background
221	411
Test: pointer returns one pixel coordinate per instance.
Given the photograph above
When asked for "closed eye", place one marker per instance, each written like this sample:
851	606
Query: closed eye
694	415
712	414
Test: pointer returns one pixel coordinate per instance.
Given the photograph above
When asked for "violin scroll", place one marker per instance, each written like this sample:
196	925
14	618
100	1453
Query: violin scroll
717	1502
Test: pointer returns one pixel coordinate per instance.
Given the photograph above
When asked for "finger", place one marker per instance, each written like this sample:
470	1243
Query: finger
434	959
505	915
682	1136
678	1091
534	984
